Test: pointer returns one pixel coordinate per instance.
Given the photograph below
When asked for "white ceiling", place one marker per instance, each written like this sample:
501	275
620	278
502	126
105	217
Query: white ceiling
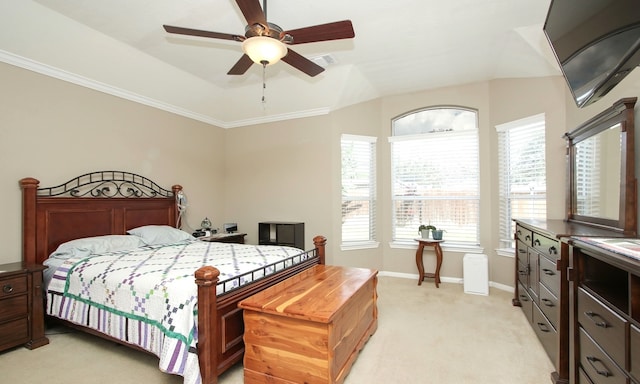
120	47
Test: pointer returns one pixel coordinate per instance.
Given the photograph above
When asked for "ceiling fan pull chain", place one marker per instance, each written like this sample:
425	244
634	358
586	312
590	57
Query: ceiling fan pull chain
264	80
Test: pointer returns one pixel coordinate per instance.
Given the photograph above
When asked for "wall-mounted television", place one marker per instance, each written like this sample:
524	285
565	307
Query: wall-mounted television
596	43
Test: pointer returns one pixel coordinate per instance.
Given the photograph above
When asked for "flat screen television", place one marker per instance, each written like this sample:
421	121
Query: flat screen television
596	43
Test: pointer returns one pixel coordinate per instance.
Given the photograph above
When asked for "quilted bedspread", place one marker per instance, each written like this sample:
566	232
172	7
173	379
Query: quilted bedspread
148	297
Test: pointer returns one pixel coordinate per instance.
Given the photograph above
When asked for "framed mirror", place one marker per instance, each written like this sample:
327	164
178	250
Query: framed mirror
601	170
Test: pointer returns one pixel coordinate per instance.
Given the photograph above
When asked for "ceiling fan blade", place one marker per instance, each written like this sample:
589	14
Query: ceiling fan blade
241	66
197	32
322	32
300	62
252	12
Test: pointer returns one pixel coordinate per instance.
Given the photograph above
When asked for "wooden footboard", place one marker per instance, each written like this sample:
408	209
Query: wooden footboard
222	323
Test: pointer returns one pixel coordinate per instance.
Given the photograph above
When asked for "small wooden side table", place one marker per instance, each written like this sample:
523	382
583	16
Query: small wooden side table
419	262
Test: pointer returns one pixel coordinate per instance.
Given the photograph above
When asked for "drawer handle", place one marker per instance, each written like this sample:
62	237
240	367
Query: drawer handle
547	302
602	372
543	327
553	250
523	272
592	317
7	288
527	237
548	272
524	298
536	242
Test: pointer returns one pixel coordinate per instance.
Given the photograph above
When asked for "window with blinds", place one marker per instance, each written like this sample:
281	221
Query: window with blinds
358	190
522	174
435	174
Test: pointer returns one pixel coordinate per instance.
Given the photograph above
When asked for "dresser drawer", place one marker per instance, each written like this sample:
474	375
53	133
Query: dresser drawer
13	307
522	252
533	275
546	333
13	286
525	302
634	352
597	364
524	235
603	325
549	275
14	332
523	274
549	305
583	378
547	246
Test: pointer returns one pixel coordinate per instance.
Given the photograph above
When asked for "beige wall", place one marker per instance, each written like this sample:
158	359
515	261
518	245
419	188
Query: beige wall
281	171
54	131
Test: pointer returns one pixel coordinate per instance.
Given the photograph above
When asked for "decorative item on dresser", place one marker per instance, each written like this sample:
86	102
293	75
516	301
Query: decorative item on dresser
605	326
21	306
114	203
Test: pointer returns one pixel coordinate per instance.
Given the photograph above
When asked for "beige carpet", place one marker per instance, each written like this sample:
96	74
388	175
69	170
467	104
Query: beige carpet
425	335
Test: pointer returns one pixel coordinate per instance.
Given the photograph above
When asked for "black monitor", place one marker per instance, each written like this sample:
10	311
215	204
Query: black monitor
596	43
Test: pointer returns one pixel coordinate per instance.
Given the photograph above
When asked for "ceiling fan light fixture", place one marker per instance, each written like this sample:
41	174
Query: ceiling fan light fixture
264	50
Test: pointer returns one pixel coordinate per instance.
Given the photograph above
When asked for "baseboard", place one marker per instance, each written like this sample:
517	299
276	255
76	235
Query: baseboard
444	279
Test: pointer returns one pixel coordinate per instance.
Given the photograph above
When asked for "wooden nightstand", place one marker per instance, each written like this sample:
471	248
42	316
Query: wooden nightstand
225	238
21	306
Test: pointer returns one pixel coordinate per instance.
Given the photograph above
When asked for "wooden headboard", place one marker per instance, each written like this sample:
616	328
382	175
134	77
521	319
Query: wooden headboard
93	204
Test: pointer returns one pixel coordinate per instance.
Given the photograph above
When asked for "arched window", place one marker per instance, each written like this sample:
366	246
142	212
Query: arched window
435	173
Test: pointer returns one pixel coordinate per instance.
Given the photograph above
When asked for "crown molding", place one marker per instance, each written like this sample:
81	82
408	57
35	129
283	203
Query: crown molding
57	73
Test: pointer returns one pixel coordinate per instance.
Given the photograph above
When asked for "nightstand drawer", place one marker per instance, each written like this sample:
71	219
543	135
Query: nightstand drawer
13	286
14	333
13	307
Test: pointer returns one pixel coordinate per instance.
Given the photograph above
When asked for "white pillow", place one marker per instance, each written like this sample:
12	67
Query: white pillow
97	244
160	234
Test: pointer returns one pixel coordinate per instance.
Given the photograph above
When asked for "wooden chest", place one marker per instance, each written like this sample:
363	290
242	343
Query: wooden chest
309	328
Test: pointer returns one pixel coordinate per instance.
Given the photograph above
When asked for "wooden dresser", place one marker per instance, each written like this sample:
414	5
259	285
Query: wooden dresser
311	327
21	306
541	286
605	326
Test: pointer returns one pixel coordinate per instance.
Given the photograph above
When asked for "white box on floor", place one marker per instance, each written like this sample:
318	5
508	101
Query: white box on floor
476	274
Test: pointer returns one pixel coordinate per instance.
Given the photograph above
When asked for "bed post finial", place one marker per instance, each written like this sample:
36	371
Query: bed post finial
29	187
320	242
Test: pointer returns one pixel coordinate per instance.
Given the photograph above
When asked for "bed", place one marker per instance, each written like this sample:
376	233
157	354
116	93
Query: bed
107	203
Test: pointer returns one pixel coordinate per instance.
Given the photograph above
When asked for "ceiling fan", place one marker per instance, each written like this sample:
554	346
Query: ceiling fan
266	43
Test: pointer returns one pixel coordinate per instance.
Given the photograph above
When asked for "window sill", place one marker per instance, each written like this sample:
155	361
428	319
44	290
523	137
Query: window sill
359	245
451	247
506	252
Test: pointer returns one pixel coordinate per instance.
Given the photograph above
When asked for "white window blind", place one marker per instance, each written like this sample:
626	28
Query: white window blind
435	174
522	174
358	189
588	183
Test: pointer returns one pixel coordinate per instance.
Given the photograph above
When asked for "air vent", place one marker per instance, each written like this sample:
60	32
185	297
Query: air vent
324	61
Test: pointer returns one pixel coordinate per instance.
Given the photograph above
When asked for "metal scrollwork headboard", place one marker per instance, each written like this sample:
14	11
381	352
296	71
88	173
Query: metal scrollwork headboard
107	184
